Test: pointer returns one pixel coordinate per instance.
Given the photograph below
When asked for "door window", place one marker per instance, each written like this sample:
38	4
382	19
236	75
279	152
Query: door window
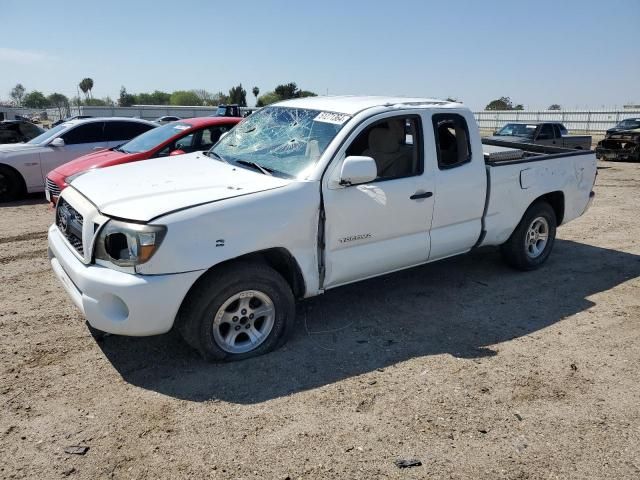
114	131
452	140
91	132
546	132
395	145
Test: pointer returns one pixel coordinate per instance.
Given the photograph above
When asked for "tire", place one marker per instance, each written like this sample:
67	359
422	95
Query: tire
220	317
11	184
531	242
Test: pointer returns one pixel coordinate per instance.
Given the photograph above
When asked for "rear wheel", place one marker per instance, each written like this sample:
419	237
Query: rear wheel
238	311
11	185
531	242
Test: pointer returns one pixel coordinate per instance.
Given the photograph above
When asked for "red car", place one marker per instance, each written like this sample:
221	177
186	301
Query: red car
184	136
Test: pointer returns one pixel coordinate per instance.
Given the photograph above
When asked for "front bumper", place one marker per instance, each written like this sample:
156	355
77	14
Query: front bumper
117	302
620	153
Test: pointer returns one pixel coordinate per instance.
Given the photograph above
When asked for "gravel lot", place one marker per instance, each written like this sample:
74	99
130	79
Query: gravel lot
476	370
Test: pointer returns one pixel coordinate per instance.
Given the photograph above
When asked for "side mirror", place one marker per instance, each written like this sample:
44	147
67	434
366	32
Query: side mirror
357	170
57	142
177	152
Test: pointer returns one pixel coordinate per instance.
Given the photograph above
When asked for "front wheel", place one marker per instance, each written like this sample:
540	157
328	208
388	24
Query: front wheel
531	242
11	186
238	311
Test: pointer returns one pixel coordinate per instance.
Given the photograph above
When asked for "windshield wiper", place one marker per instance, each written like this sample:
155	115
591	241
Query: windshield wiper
213	154
118	148
265	170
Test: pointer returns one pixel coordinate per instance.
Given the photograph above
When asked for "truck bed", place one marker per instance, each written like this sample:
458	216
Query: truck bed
565	175
497	153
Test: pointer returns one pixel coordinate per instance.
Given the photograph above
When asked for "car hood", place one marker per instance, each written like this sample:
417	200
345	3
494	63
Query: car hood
20	148
145	190
100	159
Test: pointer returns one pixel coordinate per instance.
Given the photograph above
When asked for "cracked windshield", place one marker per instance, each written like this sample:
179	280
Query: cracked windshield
282	141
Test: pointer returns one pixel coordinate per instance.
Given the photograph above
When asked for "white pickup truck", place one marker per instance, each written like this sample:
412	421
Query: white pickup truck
300	197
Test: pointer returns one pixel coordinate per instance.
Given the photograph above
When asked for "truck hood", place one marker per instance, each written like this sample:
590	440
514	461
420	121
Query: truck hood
99	159
144	190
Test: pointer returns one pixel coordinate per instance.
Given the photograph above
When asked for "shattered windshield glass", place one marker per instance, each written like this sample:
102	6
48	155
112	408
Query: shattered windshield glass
282	140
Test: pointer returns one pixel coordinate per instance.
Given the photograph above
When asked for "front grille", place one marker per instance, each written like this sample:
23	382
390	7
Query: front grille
69	221
54	190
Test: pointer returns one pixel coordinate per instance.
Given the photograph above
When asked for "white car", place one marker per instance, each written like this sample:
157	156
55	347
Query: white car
302	196
24	166
166	119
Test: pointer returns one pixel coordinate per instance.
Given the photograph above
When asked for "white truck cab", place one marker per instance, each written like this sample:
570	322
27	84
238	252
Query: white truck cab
300	197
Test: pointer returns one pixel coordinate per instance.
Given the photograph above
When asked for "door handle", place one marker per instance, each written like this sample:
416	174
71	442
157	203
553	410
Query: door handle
417	196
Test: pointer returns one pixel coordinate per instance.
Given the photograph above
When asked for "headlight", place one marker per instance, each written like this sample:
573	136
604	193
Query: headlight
71	178
128	244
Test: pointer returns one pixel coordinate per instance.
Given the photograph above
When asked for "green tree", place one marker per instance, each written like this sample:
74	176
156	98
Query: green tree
61	102
267	99
35	99
221	99
238	95
95	102
555	106
286	91
184	97
126	99
206	98
17	94
306	93
503	103
256	92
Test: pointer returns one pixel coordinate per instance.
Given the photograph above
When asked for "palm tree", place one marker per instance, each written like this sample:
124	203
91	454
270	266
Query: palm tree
90	86
86	85
256	92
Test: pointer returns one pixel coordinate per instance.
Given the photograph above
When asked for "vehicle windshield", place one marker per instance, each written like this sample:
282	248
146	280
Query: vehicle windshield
517	130
283	140
154	137
629	123
48	134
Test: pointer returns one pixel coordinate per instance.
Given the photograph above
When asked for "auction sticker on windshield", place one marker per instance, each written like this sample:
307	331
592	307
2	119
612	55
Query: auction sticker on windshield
330	117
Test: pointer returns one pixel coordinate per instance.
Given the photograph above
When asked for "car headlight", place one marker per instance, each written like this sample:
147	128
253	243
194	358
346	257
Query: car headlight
71	178
128	244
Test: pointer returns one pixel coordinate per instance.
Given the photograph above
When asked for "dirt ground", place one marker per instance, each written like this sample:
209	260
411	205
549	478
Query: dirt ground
476	370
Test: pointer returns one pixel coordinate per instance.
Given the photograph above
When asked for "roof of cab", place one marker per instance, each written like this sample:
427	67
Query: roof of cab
77	121
353	104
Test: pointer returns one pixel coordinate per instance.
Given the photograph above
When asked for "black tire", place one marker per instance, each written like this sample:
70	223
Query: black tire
204	302
517	251
11	184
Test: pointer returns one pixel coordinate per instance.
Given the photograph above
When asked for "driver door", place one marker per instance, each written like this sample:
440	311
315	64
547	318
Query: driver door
384	225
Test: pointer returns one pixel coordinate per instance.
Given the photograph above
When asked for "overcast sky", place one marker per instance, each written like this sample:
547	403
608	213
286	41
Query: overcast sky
575	53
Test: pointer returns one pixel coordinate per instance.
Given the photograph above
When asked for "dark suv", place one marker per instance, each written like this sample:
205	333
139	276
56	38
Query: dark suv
17	131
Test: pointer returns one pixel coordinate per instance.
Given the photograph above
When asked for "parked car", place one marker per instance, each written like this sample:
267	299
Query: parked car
542	133
68	119
620	145
301	197
24	166
626	124
17	131
166	119
185	136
